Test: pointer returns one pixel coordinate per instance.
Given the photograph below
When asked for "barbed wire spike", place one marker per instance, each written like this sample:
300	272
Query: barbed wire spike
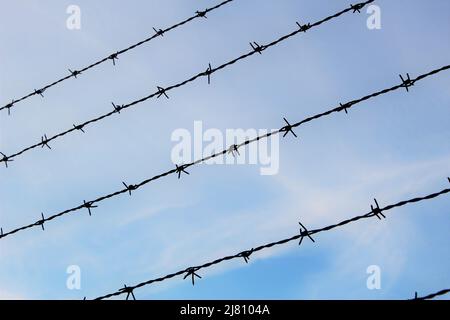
208	73
1	232
233	150
159	32
9	106
78	127
181	169
344	107
357	7
39	92
201	14
191	272
256	47
114	57
304	233
41	222
130	187
117	107
89	205
162	91
5	159
74	73
377	211
129	291
304	27
406	83
246	255
288	128
44	142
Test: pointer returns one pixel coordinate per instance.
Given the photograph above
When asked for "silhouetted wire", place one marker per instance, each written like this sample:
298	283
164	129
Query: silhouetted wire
233	149
303	234
256	48
432	295
115	56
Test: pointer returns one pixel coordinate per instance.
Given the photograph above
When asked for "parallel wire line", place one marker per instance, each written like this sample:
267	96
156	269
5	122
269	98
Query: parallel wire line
303	234
180	169
114	56
432	295
163	91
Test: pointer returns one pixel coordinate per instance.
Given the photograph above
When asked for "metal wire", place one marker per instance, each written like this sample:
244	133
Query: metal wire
432	295
181	169
256	48
303	233
113	57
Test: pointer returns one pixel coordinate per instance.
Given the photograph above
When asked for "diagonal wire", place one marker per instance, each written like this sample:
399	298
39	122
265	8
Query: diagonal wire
256	48
181	169
432	295
296	237
115	56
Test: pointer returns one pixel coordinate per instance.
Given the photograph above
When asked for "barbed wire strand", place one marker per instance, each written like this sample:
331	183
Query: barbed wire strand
432	295
114	56
303	234
256	48
233	149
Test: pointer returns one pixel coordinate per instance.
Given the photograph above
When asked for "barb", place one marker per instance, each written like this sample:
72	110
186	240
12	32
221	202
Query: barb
44	141
38	91
304	233
246	254
40	222
74	73
303	27
191	271
288	128
79	127
89	205
256	48
128	291
182	168
162	91
115	56
130	187
208	73
432	295
5	159
233	150
406	83
117	108
159	32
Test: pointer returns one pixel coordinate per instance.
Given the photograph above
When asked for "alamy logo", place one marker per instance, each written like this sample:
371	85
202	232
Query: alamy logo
200	144
73	22
73	281
374	278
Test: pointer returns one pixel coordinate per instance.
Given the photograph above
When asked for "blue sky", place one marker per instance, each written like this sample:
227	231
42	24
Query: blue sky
393	147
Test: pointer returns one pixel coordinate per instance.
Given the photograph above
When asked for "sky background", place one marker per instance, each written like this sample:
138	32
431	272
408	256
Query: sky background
393	147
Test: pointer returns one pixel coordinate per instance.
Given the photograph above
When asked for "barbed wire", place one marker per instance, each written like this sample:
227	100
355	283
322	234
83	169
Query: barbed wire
304	233
113	57
233	149
256	48
432	295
